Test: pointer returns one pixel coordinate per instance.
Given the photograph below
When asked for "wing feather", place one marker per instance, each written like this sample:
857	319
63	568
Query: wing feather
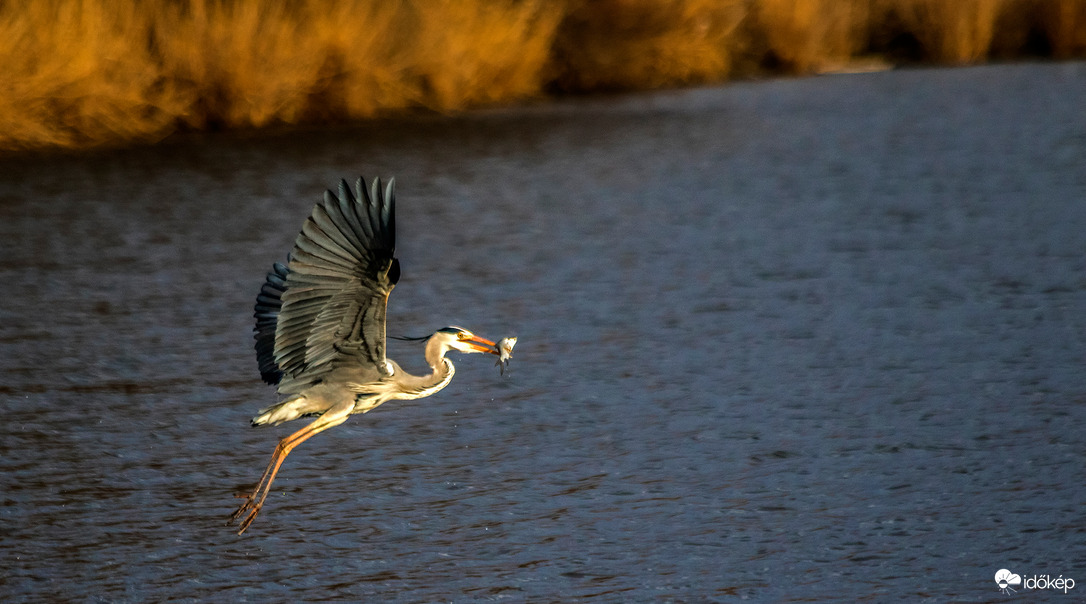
328	242
358	207
268	304
310	252
332	225
347	210
327	305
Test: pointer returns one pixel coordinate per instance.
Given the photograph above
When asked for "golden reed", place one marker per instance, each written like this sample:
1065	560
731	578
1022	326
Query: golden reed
82	73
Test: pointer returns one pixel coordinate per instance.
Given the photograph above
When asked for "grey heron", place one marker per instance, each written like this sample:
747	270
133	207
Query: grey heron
320	326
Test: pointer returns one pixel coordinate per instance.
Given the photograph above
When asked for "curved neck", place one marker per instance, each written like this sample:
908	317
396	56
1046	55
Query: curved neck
440	377
441	369
435	356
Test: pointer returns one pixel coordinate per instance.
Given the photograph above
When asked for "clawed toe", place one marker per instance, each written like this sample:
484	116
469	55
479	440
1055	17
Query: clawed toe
252	509
251	506
248	519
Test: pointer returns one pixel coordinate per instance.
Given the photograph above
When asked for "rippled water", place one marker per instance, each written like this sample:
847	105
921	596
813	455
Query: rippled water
782	340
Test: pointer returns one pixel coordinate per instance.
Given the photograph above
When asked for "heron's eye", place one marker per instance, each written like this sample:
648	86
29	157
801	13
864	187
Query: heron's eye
463	335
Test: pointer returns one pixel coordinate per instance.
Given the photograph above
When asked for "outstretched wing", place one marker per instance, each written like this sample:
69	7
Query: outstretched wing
268	303
328	305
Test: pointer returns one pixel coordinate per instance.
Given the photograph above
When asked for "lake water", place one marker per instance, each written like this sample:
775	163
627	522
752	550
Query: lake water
780	341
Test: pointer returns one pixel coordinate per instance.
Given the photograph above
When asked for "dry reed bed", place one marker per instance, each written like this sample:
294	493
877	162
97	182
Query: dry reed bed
79	73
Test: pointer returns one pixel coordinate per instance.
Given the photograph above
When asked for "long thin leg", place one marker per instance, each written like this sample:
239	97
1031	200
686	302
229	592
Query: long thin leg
255	500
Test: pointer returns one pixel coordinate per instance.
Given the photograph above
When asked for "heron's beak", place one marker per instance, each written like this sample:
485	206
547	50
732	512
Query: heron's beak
478	344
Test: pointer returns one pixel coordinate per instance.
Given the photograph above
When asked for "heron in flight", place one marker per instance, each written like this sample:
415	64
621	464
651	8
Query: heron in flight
320	326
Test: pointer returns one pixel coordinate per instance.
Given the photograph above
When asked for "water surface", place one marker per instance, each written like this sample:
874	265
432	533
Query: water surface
782	340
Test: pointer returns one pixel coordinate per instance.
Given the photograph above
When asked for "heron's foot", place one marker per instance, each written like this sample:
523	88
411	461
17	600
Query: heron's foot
249	510
250	499
249	519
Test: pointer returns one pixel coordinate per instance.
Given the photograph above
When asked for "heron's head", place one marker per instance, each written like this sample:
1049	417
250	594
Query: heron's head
462	340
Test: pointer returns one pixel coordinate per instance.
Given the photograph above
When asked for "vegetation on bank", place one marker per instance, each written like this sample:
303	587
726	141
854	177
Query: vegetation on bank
81	73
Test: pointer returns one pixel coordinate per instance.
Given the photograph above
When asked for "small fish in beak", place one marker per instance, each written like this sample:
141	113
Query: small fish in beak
505	352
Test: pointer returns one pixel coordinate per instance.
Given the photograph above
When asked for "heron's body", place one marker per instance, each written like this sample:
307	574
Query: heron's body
320	329
365	386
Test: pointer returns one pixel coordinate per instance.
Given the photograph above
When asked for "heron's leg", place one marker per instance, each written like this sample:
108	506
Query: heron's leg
254	501
282	449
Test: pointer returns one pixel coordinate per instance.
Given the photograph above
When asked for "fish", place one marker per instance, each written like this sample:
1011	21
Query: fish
505	352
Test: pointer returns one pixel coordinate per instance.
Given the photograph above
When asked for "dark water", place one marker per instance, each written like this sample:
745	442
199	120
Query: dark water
781	341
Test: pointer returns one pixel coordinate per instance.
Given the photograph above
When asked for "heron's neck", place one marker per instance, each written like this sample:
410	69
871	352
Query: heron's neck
440	367
440	376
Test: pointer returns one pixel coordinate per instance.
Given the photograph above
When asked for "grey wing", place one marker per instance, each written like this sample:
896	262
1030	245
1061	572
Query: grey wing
336	288
268	303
